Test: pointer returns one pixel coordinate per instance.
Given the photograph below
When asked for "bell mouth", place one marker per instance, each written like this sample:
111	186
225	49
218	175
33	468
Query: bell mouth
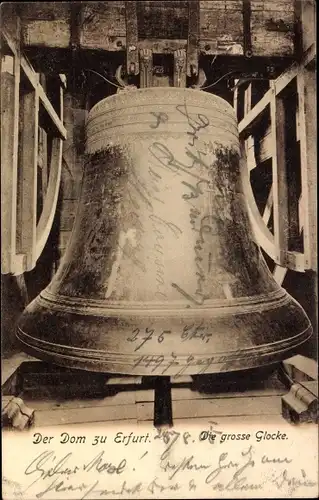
163	344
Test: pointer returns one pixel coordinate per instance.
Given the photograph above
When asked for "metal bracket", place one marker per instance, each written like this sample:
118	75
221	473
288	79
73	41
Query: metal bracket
180	68
193	37
146	70
132	62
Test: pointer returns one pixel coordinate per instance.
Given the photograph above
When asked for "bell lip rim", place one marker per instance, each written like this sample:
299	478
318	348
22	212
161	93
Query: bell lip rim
96	365
305	334
156	89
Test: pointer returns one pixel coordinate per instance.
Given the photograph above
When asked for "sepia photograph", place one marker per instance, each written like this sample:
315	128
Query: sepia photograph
159	310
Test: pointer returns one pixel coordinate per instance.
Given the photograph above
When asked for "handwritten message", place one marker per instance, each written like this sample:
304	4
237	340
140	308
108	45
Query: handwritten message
140	336
197	173
211	460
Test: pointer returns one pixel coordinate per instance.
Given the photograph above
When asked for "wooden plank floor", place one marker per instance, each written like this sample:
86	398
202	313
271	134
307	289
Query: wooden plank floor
135	404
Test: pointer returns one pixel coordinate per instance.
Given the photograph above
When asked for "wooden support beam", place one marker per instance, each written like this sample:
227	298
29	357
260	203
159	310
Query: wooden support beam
62	87
193	37
63	80
293	174
163	402
248	95
10	80
305	76
76	22
250	142
33	78
247	28
250	151
221	28
28	169
43	159
268	207
46	220
308	23
19	148
279	274
280	187
263	236
300	368
50	201
264	151
132	54
301	213
11	261
246	125
236	98
295	261
306	85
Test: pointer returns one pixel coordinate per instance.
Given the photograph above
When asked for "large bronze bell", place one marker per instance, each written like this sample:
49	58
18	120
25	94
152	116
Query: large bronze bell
162	275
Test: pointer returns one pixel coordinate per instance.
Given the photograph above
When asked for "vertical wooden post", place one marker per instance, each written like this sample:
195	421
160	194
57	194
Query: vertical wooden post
163	402
193	37
235	101
268	207
43	150
280	190
132	55
250	141
74	116
306	84
293	173
279	274
248	93
43	159
28	163
10	76
308	23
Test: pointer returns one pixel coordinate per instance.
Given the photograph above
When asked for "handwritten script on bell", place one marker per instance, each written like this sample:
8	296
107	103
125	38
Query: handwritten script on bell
211	460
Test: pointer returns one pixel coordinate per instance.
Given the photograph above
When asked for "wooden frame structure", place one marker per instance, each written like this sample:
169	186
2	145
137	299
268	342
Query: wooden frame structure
262	28
276	243
23	102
